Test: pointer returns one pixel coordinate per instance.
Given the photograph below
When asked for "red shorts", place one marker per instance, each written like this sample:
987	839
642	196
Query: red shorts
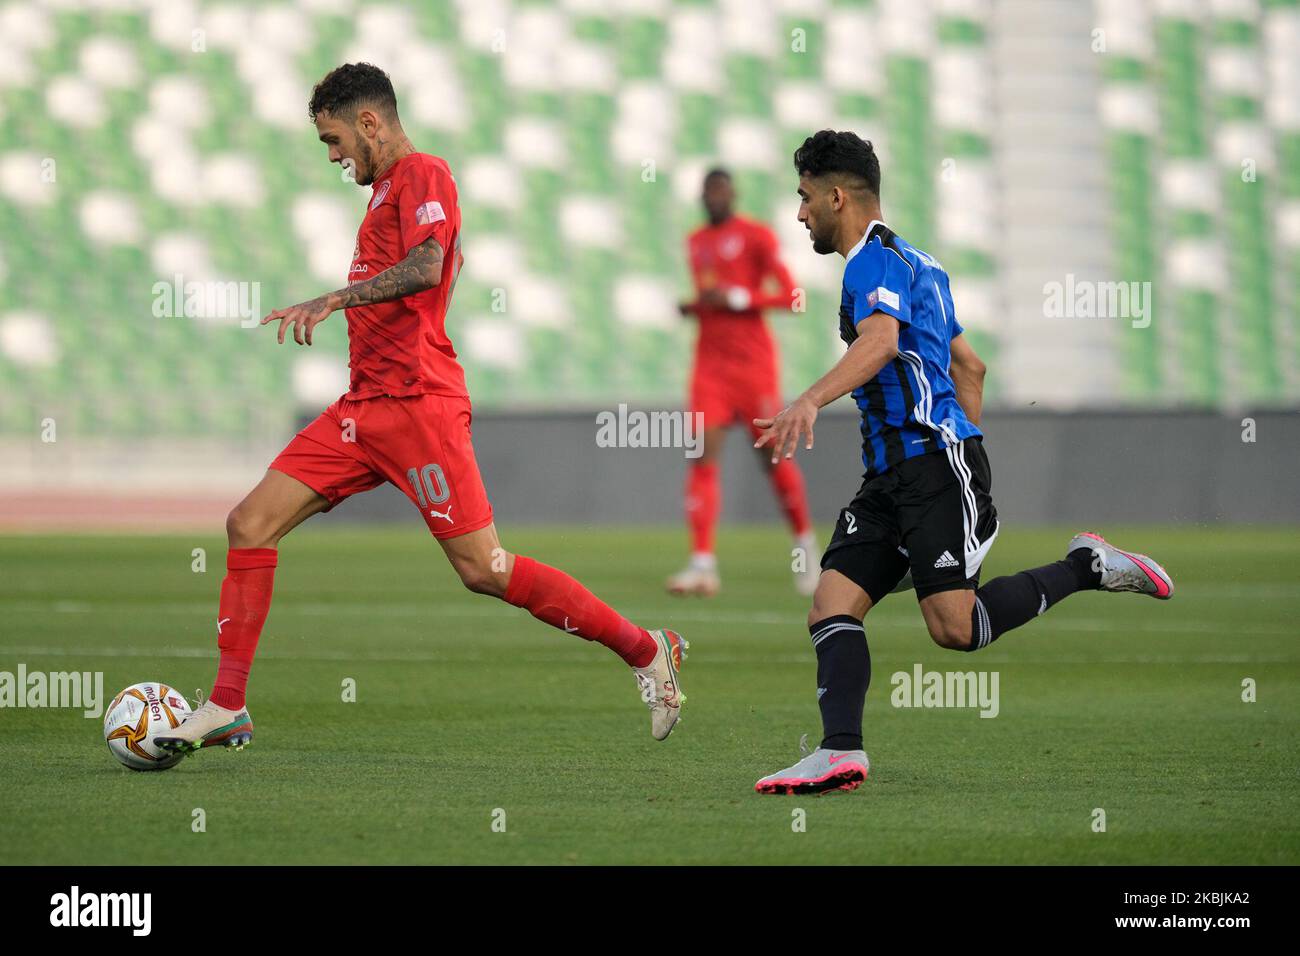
420	443
730	401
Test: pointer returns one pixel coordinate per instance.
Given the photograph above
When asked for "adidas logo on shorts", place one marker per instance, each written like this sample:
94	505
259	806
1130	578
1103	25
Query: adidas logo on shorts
946	560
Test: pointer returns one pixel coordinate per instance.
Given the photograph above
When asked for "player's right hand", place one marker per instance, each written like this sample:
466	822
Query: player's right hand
783	431
304	317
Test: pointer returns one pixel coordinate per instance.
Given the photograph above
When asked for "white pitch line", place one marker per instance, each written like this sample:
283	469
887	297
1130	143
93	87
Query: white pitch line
460	657
434	612
429	609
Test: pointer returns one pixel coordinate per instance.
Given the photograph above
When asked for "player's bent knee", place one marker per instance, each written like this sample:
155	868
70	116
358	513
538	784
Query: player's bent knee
953	635
246	528
481	579
820	611
837	596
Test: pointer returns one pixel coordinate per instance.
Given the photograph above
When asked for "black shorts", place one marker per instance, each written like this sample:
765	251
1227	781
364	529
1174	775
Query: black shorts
931	513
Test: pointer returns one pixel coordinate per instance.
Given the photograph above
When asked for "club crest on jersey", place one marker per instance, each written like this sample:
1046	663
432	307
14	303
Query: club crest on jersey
731	247
380	193
429	213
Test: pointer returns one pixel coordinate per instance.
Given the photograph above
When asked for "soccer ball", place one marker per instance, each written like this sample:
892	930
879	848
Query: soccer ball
138	715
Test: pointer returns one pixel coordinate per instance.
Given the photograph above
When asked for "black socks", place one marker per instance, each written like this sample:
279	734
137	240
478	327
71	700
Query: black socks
1008	602
844	663
843	674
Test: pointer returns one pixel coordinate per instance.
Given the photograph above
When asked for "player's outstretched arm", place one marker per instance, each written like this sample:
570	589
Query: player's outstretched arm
967	373
875	346
420	270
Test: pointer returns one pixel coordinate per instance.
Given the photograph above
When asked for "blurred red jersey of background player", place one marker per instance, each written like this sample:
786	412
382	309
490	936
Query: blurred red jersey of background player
737	272
731	263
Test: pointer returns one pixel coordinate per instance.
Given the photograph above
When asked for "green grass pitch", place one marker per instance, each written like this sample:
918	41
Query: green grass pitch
466	706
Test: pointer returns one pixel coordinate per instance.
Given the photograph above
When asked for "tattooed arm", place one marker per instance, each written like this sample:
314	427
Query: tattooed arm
420	270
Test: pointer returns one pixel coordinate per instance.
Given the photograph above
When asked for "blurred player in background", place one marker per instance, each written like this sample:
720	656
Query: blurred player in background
736	377
405	419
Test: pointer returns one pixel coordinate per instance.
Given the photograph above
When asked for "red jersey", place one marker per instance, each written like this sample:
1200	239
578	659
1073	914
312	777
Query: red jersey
737	257
401	347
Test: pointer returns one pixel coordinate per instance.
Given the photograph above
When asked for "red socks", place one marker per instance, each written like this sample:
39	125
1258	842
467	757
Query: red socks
549	595
555	598
703	502
245	601
787	482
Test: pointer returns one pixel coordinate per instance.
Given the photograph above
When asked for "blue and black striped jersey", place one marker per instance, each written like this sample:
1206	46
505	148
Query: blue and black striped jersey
910	408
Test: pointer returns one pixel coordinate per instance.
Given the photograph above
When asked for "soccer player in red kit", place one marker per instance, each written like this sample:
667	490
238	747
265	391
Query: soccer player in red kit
405	419
736	379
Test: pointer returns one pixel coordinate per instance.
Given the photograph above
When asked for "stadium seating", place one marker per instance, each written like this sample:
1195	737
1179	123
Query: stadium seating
141	141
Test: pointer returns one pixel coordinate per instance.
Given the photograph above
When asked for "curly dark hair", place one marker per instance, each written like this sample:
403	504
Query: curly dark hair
350	86
828	151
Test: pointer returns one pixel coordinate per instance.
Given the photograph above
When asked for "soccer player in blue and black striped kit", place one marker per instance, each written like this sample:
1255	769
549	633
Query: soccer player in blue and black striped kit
924	505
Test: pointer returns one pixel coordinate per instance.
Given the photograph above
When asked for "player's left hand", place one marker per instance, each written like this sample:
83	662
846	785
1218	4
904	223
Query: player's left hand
790	424
304	317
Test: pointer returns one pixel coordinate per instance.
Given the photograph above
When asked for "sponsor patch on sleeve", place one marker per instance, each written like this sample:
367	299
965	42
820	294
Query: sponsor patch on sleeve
429	213
885	297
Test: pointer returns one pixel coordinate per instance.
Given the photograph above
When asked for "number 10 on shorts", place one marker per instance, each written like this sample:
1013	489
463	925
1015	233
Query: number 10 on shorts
430	485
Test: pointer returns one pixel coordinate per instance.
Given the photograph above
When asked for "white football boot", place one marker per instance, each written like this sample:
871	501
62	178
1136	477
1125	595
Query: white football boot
820	771
209	725
700	577
1124	570
658	683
